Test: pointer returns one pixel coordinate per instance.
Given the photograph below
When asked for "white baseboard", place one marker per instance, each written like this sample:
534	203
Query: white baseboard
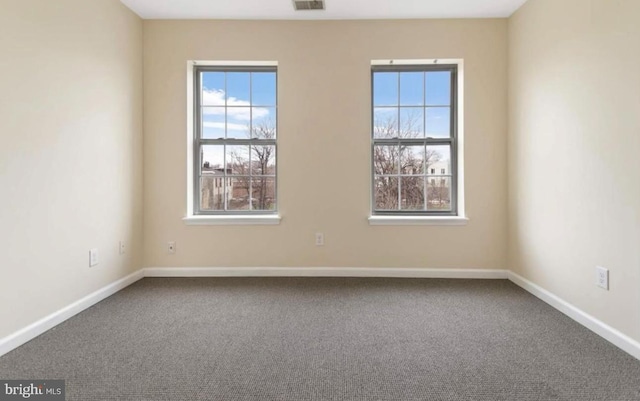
30	332
323	272
602	329
35	329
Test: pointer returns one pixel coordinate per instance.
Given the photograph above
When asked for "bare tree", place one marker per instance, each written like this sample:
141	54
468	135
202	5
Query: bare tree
263	158
439	193
393	159
239	167
250	173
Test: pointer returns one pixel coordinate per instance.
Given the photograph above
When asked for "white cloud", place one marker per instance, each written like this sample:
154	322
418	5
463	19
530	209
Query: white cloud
230	126
215	97
386	110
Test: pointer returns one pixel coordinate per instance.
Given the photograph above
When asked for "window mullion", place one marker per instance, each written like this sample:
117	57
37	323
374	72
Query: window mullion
224	147
425	193
424	107
439	141
414	141
398	174
250	178
197	156
250	137
254	142
224	177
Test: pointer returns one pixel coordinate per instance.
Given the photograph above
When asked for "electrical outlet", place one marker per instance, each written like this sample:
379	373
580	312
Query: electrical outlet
171	247
319	239
122	248
93	257
602	277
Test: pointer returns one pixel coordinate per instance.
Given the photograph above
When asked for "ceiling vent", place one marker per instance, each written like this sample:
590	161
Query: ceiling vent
301	5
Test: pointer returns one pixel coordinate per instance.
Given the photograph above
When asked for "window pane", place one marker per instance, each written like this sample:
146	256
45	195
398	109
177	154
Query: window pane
212	158
239	188
385	89
238	119
263	160
238	89
263	193
213	124
263	88
438	193
212	190
412	88
412	191
438	122
412	122
439	159
385	159
411	159
264	122
386	193
385	122
213	89
238	159
438	88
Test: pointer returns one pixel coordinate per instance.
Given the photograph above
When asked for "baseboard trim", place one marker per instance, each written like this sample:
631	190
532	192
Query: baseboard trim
602	329
324	272
605	331
30	332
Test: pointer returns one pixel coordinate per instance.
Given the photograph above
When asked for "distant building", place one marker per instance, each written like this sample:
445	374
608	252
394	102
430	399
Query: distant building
234	189
438	185
439	169
213	188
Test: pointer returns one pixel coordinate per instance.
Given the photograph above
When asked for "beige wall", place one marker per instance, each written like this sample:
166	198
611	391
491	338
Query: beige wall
71	156
574	146
70	153
324	143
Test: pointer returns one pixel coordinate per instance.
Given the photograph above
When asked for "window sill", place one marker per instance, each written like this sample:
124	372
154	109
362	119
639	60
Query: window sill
418	221
249	220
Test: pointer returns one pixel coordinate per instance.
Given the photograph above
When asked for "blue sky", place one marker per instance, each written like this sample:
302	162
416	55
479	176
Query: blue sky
252	95
262	86
407	94
253	100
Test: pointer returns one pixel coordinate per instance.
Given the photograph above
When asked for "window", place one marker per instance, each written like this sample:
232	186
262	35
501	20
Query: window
414	133
235	143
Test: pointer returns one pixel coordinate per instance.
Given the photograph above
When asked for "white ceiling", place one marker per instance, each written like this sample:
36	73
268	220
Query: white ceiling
335	9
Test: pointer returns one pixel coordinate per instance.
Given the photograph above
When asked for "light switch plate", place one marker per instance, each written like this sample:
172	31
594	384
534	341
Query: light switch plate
93	257
602	277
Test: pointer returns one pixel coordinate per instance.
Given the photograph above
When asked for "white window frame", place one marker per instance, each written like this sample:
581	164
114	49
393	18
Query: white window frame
191	218
460	218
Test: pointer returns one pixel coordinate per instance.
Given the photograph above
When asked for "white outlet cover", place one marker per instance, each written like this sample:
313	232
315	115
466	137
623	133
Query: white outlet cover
93	257
122	248
602	277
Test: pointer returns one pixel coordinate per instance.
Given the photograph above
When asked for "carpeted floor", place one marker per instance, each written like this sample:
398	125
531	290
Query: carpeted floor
303	339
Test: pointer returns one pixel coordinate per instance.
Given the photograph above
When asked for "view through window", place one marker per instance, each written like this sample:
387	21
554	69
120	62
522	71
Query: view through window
414	139
236	129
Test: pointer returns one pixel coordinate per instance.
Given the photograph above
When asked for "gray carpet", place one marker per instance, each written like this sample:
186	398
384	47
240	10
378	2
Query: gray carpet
325	339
